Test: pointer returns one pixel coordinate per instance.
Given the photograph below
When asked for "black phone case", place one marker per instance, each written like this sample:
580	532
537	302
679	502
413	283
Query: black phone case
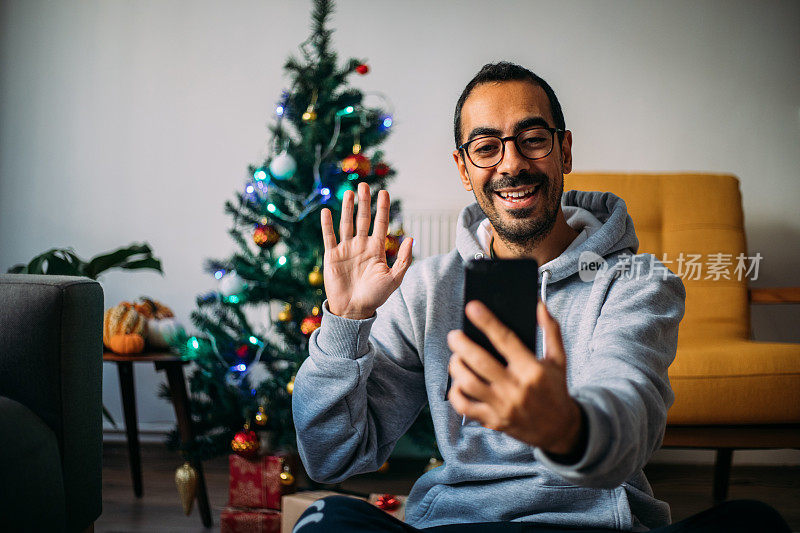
509	288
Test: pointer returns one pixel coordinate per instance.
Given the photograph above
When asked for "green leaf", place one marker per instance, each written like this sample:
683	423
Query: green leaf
120	258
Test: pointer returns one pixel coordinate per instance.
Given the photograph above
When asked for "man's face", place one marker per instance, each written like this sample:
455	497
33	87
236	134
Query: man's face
505	109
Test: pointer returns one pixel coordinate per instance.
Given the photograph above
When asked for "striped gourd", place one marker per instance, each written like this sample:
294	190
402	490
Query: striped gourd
122	320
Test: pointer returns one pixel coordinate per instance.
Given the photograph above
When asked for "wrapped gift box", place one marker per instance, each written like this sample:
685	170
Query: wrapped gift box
398	512
235	520
256	483
294	505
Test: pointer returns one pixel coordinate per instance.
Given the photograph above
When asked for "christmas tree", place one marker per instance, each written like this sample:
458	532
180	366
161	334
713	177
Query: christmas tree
323	143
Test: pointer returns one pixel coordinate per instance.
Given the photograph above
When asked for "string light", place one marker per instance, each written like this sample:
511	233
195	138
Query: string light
219	273
249	189
346	111
241	367
387	122
282	260
253	340
233	299
325	191
260	175
271	208
194	343
279	110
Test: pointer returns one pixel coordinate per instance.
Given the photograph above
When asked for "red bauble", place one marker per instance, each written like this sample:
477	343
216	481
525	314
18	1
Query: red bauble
362	69
266	236
382	169
356	164
310	324
245	443
387	502
241	351
392	245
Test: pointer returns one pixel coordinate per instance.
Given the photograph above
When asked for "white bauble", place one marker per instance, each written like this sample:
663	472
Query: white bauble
161	332
283	167
232	285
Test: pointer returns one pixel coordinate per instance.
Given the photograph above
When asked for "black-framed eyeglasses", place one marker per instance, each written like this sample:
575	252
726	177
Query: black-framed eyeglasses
488	150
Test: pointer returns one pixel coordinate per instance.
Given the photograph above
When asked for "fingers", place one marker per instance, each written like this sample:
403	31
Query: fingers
463	405
468	381
328	235
501	337
552	335
403	260
481	363
346	221
364	210
382	216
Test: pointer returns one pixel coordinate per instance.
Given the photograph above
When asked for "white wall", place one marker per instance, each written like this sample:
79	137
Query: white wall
135	121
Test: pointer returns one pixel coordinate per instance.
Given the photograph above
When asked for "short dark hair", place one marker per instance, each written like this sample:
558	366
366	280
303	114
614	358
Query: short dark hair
506	71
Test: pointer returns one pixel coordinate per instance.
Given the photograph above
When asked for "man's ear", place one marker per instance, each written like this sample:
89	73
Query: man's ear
566	153
462	170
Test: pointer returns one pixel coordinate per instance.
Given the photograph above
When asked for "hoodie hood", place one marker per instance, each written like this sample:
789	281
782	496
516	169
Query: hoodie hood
615	234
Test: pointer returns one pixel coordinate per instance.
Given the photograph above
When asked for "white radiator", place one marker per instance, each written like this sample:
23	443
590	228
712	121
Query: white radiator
434	231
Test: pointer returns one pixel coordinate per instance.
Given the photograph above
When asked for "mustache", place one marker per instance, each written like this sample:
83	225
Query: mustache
520	180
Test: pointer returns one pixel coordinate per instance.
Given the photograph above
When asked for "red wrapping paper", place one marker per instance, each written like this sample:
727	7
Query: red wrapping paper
256	483
234	520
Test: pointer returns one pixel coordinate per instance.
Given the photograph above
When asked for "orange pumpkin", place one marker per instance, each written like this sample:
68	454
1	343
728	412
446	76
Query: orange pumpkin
129	343
122	320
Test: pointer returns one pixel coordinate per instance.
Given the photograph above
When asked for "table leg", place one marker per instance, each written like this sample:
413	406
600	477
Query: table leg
180	401
125	369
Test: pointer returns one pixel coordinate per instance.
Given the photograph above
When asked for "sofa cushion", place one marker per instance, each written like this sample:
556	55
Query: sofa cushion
30	472
736	382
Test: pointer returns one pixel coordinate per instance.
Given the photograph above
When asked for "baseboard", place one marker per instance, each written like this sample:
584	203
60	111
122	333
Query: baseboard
156	433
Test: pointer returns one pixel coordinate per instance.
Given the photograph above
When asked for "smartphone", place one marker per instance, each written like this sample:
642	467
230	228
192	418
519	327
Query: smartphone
509	288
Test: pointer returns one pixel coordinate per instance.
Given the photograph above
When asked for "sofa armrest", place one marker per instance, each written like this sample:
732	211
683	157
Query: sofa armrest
51	362
775	295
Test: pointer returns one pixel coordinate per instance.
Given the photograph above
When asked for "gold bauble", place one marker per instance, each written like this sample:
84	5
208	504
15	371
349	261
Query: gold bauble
315	277
261	417
186	481
315	311
287	478
290	386
286	314
384	468
433	462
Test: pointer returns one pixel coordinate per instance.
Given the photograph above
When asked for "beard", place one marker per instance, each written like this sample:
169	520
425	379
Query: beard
526	227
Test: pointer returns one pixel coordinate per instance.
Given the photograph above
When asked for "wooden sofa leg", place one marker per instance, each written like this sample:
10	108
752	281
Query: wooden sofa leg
722	473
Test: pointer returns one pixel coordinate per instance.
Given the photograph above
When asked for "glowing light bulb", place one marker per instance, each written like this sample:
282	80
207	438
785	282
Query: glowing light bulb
353	176
260	175
279	110
219	273
271	208
241	367
233	299
249	189
194	343
387	122
282	260
325	191
253	340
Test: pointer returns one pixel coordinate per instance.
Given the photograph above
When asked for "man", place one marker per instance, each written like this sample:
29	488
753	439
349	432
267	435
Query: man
558	437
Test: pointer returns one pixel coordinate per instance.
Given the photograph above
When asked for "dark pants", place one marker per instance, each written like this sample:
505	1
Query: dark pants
340	514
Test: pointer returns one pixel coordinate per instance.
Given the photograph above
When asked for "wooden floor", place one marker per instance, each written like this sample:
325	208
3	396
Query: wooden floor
687	488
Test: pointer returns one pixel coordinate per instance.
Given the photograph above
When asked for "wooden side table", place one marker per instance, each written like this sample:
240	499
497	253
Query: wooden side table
173	366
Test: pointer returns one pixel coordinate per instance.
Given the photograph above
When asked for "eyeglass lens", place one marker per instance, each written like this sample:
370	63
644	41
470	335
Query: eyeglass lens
488	151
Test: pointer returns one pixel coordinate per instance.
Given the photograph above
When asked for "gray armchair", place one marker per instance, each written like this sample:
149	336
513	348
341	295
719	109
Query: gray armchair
51	358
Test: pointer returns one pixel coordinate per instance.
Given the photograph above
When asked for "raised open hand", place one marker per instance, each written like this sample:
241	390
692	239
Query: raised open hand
357	278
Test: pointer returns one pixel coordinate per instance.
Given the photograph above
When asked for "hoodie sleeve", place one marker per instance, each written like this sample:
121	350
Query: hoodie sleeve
358	392
624	391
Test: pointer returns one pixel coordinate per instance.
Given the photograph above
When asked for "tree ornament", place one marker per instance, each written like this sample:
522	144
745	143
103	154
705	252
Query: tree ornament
266	236
261	417
384	467
315	277
356	164
286	476
392	245
382	170
283	166
245	443
433	462
387	502
285	315
315	311
310	324
232	285
362	69
186	481
241	351
290	386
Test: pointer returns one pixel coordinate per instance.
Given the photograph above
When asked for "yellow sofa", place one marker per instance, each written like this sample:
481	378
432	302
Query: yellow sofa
730	392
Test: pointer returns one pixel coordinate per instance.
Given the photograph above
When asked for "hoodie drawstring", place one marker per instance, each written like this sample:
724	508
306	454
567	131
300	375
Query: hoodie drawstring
545	278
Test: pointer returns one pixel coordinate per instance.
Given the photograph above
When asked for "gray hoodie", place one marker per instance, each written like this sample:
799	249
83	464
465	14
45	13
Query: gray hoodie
365	382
